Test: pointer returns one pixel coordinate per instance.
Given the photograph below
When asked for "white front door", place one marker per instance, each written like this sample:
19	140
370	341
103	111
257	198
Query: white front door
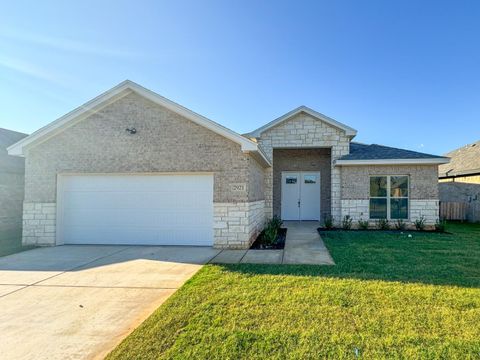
300	195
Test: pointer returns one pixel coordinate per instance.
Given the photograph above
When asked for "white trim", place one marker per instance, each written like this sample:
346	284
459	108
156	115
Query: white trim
348	130
114	94
59	240
425	161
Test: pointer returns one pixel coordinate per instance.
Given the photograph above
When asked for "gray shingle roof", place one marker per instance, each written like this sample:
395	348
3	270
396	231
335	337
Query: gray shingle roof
464	161
360	151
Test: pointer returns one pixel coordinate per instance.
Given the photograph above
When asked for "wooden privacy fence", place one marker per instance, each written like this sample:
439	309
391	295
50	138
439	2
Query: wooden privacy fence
463	211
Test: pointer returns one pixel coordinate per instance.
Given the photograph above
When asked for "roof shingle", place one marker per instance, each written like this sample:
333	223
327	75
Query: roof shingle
360	151
464	161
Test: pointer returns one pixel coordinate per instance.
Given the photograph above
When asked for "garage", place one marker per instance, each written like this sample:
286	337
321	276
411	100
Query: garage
160	209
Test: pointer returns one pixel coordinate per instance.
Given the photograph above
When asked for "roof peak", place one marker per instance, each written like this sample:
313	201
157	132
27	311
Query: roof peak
303	108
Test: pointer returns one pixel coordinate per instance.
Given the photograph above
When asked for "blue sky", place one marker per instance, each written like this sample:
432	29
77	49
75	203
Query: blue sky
403	73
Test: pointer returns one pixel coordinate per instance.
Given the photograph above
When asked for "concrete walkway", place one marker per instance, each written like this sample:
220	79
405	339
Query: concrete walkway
79	302
302	246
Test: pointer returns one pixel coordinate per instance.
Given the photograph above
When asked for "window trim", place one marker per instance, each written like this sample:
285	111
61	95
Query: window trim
388	197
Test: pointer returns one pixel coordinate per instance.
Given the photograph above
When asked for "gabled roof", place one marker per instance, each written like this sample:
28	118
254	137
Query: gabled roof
464	161
348	130
124	88
363	154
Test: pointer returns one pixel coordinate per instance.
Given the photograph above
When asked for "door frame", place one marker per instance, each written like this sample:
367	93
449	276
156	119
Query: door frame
300	174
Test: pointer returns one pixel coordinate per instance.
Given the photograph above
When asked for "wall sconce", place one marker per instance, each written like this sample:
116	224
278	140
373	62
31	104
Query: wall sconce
131	130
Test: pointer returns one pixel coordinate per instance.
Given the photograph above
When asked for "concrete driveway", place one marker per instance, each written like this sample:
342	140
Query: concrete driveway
79	302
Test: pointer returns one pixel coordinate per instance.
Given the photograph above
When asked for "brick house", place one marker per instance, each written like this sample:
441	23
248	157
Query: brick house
132	167
459	183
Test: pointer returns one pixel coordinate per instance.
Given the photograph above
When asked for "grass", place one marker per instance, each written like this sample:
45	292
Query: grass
389	296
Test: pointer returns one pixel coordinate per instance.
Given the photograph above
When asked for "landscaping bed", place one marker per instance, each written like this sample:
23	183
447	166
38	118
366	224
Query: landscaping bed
277	245
386	231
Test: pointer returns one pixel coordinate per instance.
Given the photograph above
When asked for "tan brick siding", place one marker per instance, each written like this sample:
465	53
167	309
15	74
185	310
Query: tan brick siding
302	160
256	179
423	180
164	142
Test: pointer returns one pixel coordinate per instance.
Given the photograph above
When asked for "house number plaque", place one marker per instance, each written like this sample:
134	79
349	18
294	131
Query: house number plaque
238	187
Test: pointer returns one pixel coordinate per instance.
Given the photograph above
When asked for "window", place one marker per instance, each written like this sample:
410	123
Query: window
310	179
389	197
291	180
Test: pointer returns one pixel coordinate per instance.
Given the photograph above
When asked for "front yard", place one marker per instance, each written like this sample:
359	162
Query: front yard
389	296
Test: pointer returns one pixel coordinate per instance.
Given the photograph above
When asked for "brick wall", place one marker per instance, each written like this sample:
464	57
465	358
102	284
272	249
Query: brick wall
423	180
164	142
423	191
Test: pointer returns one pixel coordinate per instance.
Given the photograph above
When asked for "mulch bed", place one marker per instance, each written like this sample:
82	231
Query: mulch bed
278	245
391	231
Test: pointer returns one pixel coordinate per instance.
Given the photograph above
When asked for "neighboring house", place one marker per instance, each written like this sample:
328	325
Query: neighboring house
132	167
460	182
11	193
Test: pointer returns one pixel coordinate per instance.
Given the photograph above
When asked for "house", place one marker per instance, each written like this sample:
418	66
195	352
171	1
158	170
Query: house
11	193
132	167
464	165
459	183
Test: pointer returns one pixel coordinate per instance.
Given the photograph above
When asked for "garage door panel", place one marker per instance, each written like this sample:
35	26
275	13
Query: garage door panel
122	209
139	236
134	200
98	218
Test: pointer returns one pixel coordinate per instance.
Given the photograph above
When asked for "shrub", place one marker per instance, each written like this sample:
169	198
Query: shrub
363	224
328	222
383	224
269	235
400	225
347	222
276	222
271	230
420	223
440	225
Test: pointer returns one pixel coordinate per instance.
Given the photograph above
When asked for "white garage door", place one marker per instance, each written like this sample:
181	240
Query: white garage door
135	209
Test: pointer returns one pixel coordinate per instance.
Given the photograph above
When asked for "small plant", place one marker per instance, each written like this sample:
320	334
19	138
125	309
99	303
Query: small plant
420	223
276	222
363	224
271	231
440	225
328	222
347	222
383	224
400	225
269	235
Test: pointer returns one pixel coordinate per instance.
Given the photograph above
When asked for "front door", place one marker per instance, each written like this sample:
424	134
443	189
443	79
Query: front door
300	195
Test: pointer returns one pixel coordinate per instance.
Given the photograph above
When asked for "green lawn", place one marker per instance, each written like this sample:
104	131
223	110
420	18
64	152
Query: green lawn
389	296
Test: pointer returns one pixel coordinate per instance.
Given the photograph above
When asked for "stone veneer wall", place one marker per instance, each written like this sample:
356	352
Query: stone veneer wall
305	131
39	223
236	225
423	200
